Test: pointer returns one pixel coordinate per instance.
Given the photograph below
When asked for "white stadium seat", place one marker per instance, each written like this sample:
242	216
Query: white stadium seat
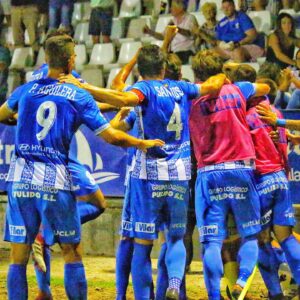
262	20
102	54
81	56
93	76
188	73
112	74
22	57
130	9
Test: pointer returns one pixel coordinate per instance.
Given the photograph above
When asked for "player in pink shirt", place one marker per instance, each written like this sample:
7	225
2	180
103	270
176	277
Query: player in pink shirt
277	213
225	156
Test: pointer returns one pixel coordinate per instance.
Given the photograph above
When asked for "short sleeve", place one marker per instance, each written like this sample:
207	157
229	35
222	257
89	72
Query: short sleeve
245	22
13	101
192	90
247	89
141	89
90	113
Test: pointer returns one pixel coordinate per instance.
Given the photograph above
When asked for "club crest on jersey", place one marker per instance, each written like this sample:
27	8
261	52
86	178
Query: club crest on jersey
92	160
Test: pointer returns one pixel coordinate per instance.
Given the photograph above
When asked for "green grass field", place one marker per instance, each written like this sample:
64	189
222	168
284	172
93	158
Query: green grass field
100	272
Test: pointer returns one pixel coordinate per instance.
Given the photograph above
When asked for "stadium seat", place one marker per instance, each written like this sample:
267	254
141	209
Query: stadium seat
102	54
112	74
130	9
159	43
40	58
7	35
13	81
200	17
262	20
81	34
187	73
77	13
86	6
118	29
93	76
191	6
291	12
162	23
22	57
81	57
127	51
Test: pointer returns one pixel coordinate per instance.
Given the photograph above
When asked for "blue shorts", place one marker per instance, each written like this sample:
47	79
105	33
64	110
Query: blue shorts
83	181
218	193
30	205
101	21
155	202
275	201
126	220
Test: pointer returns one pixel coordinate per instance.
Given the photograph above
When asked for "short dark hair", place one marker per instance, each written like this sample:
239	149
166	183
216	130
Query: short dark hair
173	66
207	63
56	32
150	61
273	88
240	72
230	1
59	51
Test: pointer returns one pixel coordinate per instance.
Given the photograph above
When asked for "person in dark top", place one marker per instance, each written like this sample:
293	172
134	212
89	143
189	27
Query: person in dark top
282	42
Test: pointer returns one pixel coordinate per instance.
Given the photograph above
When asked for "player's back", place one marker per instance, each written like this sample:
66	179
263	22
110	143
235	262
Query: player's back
49	113
163	114
270	157
219	130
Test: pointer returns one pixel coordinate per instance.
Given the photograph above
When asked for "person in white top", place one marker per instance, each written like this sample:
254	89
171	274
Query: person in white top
183	42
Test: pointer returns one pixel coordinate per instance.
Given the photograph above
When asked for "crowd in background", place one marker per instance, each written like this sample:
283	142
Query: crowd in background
233	35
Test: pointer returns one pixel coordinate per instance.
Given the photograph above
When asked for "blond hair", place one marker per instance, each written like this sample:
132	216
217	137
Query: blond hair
207	6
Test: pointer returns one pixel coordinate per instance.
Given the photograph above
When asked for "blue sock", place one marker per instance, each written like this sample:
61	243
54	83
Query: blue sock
88	211
182	294
43	278
75	281
213	268
279	256
291	248
268	268
17	282
247	258
141	271
162	280
123	267
175	258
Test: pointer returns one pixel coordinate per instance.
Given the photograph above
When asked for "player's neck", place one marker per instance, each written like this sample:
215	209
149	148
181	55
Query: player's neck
156	77
55	73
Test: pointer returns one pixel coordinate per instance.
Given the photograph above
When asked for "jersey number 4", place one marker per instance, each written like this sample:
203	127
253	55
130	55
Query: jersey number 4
175	123
45	117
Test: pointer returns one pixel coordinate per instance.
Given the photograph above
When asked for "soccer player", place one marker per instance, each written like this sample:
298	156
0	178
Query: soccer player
159	179
225	153
39	183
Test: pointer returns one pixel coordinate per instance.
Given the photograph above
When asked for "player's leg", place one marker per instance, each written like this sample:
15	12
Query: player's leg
211	223
245	206
125	248
145	211
175	259
283	221
22	223
61	224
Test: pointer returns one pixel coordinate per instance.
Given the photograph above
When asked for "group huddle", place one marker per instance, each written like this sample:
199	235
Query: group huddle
241	162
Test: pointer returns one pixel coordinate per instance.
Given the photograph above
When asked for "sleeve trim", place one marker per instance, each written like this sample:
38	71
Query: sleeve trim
102	128
10	107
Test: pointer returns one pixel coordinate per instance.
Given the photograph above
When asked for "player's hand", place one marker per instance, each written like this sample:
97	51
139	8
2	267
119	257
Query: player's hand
293	138
266	114
70	79
274	135
145	144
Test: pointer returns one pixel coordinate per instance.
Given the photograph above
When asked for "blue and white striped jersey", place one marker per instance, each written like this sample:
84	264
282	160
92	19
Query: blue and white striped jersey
163	114
48	116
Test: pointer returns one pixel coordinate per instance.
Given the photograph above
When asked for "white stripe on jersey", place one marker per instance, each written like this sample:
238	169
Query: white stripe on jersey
143	171
38	173
162	169
181	170
19	167
60	176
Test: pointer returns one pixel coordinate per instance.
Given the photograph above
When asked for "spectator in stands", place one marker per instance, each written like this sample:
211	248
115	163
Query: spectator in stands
6	8
282	42
290	4
237	38
43	7
101	20
253	5
183	42
5	60
205	36
25	15
60	13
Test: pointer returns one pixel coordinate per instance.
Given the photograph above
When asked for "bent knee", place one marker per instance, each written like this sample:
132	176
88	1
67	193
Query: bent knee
71	252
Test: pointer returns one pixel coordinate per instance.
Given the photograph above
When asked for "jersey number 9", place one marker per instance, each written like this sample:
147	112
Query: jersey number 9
45	117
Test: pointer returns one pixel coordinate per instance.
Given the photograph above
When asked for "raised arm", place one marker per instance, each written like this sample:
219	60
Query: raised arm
213	85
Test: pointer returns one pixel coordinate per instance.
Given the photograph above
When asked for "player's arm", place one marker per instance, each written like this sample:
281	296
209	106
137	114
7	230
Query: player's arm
119	122
270	117
118	82
261	89
6	114
212	85
104	107
119	138
293	138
